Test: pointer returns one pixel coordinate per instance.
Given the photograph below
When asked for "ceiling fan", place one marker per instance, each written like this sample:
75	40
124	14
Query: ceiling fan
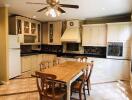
54	4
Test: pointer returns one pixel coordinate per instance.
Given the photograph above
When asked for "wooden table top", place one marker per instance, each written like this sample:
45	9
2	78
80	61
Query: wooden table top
67	70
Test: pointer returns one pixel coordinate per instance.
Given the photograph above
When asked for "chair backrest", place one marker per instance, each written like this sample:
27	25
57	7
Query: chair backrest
44	65
44	82
81	58
89	70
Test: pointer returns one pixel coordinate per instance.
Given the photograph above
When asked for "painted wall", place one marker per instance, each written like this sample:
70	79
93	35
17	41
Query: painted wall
3	44
131	55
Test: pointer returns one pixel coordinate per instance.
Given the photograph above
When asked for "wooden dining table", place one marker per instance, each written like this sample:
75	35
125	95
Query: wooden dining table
67	72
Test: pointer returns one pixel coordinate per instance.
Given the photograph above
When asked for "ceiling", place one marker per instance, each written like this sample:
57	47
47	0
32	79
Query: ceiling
87	8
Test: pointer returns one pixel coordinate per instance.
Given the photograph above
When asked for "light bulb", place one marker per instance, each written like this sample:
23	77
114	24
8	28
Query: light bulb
52	12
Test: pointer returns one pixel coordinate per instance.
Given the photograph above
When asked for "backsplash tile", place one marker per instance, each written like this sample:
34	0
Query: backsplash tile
93	50
52	48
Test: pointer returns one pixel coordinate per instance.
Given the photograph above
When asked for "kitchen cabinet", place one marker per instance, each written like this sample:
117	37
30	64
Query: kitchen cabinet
26	63
52	33
119	32
34	65
108	70
39	60
25	27
32	62
94	35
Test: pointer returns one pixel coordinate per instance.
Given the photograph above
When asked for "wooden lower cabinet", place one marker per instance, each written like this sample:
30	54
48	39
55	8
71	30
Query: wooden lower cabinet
32	63
39	60
26	63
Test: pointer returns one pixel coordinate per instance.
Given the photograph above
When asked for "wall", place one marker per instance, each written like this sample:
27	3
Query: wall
131	55
109	19
4	44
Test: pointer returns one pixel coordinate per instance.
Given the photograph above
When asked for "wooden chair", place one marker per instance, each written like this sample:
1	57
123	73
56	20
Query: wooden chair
56	61
78	86
47	89
44	65
87	77
87	74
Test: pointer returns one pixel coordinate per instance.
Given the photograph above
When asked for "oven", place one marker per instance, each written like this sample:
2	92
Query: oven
117	50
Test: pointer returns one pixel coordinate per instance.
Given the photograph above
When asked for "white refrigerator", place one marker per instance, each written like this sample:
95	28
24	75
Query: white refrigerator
14	56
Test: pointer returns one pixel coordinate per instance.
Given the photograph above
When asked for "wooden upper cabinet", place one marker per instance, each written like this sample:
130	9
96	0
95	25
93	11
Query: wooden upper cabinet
119	32
52	33
26	27
57	33
94	35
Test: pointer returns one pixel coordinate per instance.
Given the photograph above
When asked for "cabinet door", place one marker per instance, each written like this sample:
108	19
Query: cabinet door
51	27
39	60
19	26
33	63
33	28
45	33
102	35
39	32
94	35
119	32
26	27
26	63
57	33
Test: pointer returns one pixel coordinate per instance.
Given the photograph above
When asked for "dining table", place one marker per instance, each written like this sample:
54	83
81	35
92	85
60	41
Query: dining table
67	72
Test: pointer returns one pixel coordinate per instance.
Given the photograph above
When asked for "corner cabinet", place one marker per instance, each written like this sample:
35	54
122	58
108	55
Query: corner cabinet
52	33
94	35
28	29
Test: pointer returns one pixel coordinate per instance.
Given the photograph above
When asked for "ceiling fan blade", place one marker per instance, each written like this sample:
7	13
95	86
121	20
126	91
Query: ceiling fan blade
42	9
69	6
61	10
36	3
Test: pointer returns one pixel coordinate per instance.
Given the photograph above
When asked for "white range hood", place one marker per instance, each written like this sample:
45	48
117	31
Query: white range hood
72	32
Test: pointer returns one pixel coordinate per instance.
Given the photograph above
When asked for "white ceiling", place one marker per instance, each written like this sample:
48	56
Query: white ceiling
87	8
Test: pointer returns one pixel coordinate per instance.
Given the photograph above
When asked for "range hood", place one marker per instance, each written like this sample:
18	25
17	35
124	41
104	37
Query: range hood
72	32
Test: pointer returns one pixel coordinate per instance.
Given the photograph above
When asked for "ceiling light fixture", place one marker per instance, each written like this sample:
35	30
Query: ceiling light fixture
52	12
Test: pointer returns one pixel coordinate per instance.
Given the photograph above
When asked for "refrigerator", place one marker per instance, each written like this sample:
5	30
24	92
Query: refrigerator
14	56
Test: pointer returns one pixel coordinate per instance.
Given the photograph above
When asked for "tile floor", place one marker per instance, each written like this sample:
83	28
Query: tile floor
24	88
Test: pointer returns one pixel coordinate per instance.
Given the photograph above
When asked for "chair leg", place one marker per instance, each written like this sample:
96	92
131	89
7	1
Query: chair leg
84	93
88	88
89	83
80	95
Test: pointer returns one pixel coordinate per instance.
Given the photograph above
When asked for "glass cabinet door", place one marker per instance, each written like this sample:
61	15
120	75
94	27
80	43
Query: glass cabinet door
39	33
26	27
19	26
33	28
51	27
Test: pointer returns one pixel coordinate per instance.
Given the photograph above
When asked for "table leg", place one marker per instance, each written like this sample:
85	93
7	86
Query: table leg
69	85
68	91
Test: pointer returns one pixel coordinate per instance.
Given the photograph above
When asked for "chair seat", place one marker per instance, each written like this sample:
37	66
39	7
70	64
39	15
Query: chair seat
76	86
